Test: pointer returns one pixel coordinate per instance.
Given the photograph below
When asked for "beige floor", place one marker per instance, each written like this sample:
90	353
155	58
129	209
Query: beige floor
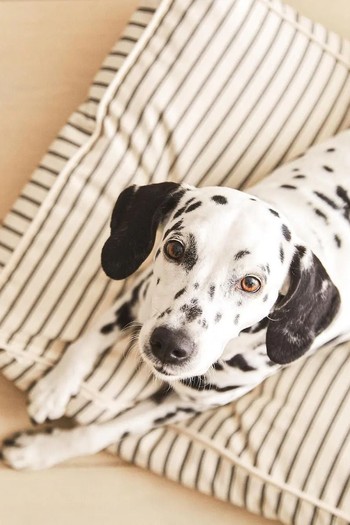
50	50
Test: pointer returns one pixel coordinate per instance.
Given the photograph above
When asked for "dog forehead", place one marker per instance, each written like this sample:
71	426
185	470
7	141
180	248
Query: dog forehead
226	212
227	230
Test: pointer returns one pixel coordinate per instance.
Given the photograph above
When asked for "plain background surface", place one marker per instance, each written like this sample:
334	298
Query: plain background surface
50	51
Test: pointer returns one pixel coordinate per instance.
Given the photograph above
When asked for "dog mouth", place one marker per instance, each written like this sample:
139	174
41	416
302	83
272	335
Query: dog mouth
161	370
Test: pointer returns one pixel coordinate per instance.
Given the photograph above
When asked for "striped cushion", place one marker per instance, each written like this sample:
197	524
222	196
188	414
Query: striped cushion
211	92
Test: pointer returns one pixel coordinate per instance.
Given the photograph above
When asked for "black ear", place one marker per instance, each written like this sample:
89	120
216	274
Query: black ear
135	219
309	306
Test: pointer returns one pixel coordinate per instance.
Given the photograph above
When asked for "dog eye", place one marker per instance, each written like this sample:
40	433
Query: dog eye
250	284
174	250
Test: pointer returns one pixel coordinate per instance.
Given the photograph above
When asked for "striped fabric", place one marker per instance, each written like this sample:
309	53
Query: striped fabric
207	92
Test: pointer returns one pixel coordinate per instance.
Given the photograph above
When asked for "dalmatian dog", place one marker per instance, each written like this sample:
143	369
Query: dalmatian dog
241	285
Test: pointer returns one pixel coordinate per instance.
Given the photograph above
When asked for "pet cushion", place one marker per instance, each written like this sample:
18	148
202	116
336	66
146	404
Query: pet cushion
210	92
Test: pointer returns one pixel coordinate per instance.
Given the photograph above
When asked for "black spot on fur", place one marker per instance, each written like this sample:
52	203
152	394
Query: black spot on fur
179	293
218	366
170	415
218	317
192	311
166	312
274	212
329	150
211	291
219	199
190	258
327	168
321	214
327	200
268	268
179	212
196	286
174	228
204	324
265	298
241	254
189	201
193	206
238	361
301	250
200	383
161	394
288	187
158	281
108	328
281	254
337	240
300	176
286	232
342	193
236	319
296	169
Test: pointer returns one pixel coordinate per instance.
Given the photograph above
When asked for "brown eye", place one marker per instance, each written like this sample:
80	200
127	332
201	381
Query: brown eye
174	250
250	284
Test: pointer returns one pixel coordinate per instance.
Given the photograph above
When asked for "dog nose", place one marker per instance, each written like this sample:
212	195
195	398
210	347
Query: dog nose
170	346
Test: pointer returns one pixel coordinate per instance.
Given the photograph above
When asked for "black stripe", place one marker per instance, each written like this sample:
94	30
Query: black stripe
175	59
339	457
47	168
88	133
30	199
118	53
314	108
314	380
86	115
243	88
202	85
100	160
297	383
282	123
98	83
345	489
69	141
344	122
109	68
319	449
6	247
79	128
39	185
152	451
21	214
137	24
11	229
57	154
144	9
128	38
190	102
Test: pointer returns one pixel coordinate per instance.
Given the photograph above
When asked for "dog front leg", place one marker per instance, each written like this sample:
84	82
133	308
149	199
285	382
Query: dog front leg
30	451
50	396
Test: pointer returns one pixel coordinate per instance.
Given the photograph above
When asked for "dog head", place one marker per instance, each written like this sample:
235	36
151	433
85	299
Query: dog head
226	261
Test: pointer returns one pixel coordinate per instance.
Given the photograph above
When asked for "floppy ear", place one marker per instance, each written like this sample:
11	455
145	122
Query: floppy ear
135	219
309	306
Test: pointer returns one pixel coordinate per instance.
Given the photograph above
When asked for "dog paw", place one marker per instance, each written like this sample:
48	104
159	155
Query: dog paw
28	451
50	396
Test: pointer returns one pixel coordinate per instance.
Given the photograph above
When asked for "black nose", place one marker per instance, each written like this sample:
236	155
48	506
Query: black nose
170	346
